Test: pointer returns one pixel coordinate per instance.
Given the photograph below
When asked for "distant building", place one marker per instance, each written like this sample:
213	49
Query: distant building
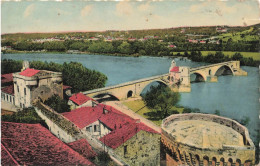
32	84
172	46
33	144
221	29
178	76
6	48
204	139
134	142
80	100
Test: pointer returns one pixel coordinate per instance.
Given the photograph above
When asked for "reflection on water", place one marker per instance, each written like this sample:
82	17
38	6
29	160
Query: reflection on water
235	96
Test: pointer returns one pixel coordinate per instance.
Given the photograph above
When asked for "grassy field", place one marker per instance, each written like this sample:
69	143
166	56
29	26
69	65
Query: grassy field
139	107
254	55
237	36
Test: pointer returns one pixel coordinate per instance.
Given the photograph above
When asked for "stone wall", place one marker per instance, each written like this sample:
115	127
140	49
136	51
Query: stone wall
142	149
185	153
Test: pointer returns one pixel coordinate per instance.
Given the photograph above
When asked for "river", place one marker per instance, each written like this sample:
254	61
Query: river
235	97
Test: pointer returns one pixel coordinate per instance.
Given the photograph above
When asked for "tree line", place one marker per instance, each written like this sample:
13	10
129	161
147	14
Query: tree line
74	74
218	57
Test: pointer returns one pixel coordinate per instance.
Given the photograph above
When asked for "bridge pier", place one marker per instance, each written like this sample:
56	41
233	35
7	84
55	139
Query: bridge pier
239	72
212	79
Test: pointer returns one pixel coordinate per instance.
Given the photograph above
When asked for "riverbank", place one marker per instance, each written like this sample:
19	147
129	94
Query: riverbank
246	58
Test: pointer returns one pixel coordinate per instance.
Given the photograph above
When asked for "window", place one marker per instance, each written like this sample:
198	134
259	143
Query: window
96	128
6	97
125	149
17	88
24	91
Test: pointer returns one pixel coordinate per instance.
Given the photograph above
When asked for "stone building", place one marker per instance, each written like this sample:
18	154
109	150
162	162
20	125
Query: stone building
80	100
204	139
134	142
31	84
179	77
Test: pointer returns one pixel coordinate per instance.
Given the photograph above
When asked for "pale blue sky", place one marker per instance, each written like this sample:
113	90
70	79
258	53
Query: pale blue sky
36	16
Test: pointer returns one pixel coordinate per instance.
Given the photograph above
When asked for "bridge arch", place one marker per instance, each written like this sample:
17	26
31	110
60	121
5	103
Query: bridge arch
142	88
129	93
105	96
224	70
199	77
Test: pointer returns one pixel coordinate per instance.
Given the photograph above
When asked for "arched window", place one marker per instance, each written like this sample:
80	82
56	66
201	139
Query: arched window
214	161
222	161
230	161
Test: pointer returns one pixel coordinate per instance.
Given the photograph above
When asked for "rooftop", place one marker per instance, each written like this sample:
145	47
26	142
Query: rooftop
82	147
79	98
117	137
6	78
32	144
9	89
29	72
175	69
204	134
120	124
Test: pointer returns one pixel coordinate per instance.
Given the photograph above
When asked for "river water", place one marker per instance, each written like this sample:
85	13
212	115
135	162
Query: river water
235	97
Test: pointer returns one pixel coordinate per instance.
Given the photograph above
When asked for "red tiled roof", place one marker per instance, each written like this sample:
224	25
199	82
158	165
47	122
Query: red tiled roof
119	136
120	124
66	87
7	78
175	69
9	89
84	116
80	98
29	72
32	144
171	45
82	147
6	157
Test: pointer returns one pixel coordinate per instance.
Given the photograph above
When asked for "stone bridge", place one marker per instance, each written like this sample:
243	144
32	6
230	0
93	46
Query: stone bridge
128	89
135	88
210	72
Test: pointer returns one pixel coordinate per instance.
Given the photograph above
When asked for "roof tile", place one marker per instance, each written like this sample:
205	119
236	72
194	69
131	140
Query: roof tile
29	72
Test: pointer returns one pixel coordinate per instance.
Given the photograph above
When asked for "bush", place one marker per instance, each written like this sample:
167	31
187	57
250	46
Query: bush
58	104
27	115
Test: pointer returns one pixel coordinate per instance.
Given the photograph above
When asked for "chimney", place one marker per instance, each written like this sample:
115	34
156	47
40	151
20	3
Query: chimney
104	110
25	65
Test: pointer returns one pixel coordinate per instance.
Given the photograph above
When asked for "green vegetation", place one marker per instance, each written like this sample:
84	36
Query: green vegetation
152	42
10	66
219	57
161	99
58	104
139	107
74	74
27	115
254	55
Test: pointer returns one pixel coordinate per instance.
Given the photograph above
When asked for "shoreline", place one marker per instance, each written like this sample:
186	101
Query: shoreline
105	54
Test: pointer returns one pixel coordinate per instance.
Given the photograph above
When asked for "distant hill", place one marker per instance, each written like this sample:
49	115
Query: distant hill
161	33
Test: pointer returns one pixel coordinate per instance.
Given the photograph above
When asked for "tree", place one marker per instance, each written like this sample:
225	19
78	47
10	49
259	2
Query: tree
161	98
11	66
58	104
82	79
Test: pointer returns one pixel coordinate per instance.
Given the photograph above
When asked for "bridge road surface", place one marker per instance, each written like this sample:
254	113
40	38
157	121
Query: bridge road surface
124	109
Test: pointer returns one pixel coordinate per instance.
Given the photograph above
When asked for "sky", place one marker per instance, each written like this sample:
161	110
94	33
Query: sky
54	16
